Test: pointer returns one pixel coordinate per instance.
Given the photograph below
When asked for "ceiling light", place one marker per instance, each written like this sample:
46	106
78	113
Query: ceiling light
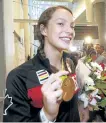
88	39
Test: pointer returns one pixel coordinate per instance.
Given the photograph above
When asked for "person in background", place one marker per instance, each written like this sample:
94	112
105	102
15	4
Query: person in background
86	47
97	48
34	88
101	54
92	53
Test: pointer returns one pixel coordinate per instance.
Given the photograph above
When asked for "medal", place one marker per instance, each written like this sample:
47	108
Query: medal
68	85
68	88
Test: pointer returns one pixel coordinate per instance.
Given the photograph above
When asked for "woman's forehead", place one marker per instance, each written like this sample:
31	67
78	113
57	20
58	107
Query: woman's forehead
62	14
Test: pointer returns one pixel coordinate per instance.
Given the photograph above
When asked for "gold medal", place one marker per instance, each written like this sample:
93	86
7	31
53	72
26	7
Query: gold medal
68	85
68	88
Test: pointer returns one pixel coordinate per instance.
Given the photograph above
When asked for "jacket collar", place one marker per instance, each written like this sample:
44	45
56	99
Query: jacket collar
45	61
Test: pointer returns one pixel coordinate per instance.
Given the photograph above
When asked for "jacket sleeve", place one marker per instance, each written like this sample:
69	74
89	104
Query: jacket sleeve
16	104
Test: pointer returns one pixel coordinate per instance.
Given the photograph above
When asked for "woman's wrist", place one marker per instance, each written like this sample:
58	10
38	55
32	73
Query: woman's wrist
51	118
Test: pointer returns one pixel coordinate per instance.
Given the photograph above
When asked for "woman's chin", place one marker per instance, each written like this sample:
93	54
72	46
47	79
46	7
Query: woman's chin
66	47
63	47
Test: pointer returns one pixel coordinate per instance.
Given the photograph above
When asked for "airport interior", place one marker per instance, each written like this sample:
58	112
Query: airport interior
18	35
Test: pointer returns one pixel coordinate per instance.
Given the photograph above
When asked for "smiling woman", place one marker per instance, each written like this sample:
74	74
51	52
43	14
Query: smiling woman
60	29
35	86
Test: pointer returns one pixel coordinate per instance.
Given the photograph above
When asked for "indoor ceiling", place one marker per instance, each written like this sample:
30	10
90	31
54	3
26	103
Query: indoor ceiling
77	6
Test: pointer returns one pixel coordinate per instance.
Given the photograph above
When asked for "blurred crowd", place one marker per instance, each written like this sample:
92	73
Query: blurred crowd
96	51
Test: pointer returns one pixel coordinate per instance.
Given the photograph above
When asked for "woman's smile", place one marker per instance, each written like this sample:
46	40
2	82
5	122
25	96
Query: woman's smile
66	39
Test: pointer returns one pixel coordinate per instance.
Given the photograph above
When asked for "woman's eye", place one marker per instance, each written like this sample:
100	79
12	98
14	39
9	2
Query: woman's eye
61	24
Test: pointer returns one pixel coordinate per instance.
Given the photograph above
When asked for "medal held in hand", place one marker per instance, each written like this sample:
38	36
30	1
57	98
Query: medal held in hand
68	85
68	88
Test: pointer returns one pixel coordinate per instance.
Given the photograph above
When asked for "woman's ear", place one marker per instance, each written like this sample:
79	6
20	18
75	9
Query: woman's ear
43	30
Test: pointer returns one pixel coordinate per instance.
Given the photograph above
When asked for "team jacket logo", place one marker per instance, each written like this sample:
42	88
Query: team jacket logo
42	76
7	97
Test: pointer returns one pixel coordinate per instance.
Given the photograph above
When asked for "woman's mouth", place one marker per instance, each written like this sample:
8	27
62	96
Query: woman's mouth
66	39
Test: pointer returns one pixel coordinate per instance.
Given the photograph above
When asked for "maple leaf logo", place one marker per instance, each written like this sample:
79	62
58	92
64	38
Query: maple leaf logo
7	97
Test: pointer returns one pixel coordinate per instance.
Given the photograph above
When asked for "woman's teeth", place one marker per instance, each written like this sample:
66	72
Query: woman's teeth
66	39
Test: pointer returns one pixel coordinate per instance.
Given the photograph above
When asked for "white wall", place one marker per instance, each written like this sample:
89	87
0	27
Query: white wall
6	45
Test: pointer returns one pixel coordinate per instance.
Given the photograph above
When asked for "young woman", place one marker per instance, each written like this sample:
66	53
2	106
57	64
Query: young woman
34	89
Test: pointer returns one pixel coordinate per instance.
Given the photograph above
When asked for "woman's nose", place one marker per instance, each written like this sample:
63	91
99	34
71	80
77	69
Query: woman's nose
70	30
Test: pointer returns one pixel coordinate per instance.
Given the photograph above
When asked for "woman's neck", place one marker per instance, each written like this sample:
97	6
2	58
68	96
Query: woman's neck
54	56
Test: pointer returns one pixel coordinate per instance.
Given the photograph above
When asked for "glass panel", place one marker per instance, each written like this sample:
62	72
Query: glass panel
37	7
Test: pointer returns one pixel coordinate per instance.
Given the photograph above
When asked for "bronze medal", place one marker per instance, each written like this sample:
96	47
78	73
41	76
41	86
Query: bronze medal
68	88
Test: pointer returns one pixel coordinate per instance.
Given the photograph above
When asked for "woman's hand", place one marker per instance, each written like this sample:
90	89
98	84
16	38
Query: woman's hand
52	95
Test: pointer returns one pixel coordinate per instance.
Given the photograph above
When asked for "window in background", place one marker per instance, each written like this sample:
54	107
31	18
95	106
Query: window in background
37	7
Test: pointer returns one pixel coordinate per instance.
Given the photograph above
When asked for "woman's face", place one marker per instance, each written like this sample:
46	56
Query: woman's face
60	30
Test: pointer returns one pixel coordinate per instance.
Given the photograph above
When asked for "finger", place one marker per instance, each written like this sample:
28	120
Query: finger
61	73
58	94
56	85
59	99
50	80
